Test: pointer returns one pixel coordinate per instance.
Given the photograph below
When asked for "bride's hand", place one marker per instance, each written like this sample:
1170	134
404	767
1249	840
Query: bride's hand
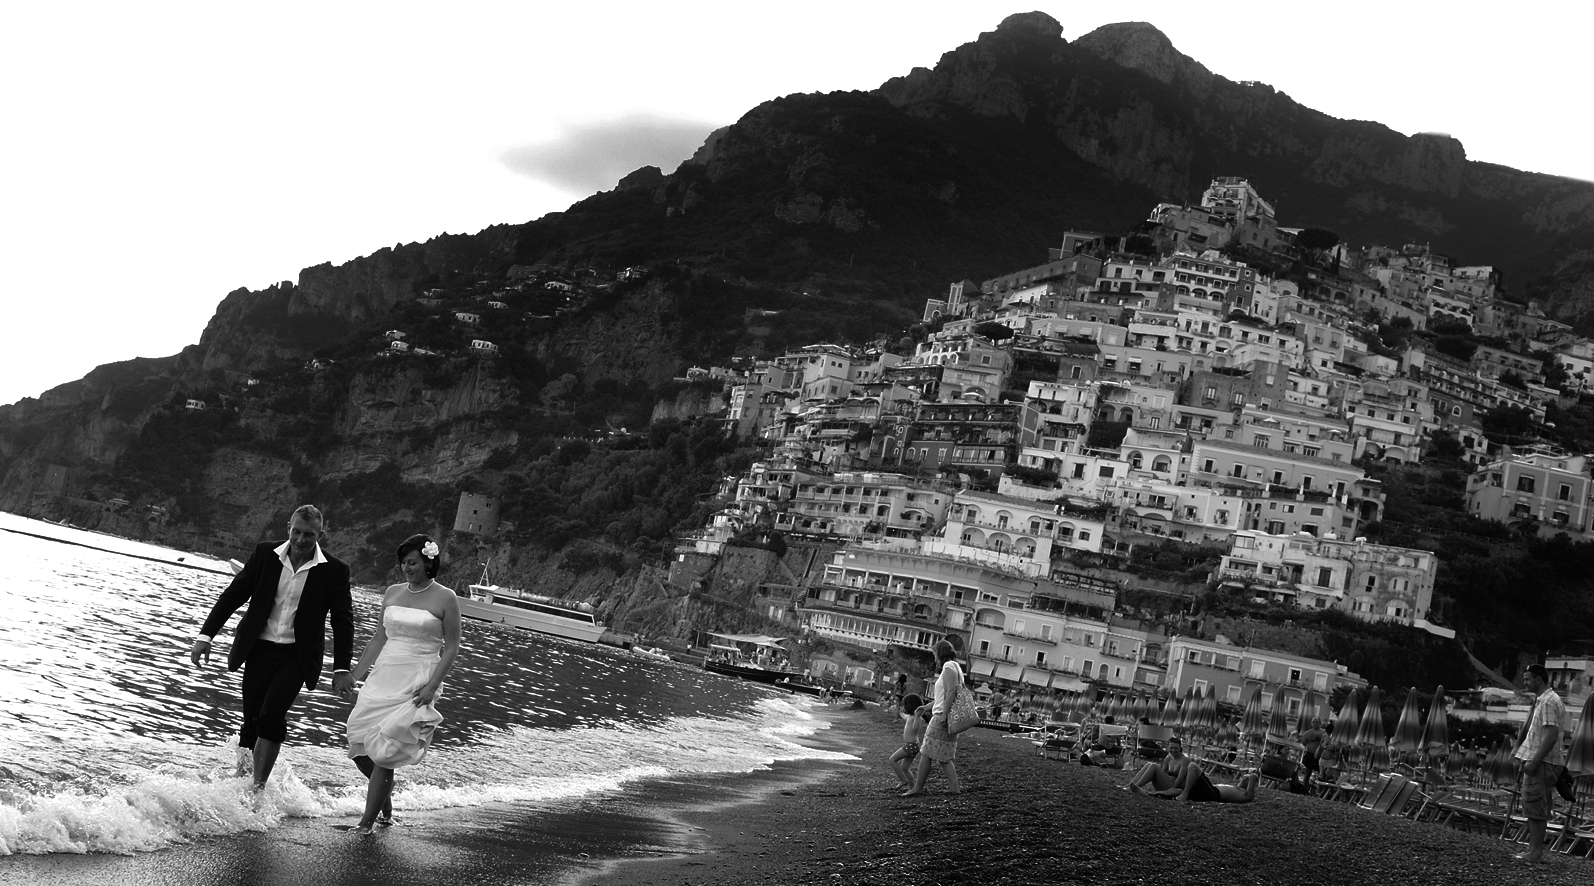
423	696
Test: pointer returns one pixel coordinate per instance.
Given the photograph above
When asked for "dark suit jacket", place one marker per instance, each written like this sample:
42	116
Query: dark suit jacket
326	595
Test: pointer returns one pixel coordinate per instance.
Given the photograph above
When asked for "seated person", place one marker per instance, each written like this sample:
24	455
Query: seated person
1164	774
1193	786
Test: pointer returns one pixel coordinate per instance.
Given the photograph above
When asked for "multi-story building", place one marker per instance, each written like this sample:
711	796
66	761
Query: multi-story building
1370	581
1186	513
1540	485
862	504
970	436
892	595
1303	685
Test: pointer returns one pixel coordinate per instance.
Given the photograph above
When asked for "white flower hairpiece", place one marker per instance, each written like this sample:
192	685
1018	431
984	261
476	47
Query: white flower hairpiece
429	550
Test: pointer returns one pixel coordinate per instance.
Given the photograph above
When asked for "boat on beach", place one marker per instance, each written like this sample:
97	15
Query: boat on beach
533	612
650	654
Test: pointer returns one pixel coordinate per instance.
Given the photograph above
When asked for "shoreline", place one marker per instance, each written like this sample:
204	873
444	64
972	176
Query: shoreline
1020	819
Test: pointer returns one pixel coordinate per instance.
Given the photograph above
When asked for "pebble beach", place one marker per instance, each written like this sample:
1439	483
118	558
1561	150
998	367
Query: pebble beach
1022	819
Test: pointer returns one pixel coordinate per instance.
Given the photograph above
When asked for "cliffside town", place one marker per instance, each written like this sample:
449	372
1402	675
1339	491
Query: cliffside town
1215	383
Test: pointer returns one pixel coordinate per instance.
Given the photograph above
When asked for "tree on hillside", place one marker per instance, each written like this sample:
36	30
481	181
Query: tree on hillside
1317	238
996	332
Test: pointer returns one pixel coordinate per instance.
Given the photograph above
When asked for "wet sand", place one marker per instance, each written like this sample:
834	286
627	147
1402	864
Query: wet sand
1020	820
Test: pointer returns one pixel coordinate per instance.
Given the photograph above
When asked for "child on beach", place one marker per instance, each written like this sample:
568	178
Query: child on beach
913	723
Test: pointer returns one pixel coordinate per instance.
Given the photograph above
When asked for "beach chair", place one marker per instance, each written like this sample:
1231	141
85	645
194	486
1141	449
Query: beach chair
1375	799
1152	742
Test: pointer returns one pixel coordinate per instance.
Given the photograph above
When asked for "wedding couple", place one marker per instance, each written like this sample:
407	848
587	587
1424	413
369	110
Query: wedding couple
292	591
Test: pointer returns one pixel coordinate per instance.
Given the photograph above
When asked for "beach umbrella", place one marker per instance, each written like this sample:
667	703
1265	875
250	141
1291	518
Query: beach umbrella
1455	762
1580	755
1144	706
1228	734
1408	728
1170	711
1499	767
1435	738
1209	710
1253	722
1346	723
1056	708
1278	723
1082	704
1371	730
1378	757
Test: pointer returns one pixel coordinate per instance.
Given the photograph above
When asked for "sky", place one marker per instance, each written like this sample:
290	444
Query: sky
159	155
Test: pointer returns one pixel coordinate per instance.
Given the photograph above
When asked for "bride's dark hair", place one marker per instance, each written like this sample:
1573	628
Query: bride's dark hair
416	543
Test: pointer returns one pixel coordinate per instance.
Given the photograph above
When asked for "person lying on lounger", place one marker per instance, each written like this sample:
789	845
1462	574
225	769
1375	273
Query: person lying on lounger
1193	786
1163	774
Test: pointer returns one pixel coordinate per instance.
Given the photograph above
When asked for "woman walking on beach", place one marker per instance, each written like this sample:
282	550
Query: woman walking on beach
412	651
938	745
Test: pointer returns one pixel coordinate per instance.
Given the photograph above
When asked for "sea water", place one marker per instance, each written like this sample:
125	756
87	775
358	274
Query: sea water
111	741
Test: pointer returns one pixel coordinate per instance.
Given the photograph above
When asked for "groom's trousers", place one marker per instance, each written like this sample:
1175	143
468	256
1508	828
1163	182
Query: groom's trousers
272	680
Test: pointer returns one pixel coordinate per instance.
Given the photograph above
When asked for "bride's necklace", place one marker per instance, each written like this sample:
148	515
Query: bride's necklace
419	590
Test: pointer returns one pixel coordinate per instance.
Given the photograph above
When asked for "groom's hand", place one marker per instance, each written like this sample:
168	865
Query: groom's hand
200	651
343	684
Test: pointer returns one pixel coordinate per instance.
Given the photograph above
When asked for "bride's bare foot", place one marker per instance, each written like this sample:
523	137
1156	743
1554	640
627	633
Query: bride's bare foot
363	830
385	820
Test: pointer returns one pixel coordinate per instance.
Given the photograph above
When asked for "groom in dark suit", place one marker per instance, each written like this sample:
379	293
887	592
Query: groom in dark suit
292	590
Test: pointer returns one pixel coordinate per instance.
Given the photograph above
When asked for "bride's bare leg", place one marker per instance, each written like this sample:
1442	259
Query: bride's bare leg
377	793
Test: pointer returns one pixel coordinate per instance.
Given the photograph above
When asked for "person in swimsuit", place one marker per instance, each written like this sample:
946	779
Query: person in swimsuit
1193	786
1163	774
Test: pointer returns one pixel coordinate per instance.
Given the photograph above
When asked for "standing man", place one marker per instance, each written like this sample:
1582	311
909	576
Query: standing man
1312	743
291	589
1542	759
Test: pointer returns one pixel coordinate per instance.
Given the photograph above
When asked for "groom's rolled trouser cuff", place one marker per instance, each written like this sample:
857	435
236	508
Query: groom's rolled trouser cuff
272	680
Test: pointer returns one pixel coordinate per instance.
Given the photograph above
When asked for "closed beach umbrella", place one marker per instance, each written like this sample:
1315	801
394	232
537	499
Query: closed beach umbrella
1228	736
1278	723
1190	713
1408	728
1170	711
1209	710
1580	756
1435	738
1082	704
1253	722
1378	757
1346	723
1056	708
1455	762
1144	706
1499	768
1371	731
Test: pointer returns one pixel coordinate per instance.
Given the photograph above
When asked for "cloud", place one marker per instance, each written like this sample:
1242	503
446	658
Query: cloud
594	156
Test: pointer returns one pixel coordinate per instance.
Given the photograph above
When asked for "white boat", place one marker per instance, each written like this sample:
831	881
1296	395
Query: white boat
650	654
533	612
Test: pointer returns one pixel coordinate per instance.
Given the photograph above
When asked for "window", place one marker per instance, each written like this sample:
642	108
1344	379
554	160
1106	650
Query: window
1206	466
1295	675
1524	484
1565	493
1084	535
1325	577
1372	582
1106	471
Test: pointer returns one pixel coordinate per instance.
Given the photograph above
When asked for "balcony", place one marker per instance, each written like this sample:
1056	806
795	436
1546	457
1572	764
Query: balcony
1034	638
993	656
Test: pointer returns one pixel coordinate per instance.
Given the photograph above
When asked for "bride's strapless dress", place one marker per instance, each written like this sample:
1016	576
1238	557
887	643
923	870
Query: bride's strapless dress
386	725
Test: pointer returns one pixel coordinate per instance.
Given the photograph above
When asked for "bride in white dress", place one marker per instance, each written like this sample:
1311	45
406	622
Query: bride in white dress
412	651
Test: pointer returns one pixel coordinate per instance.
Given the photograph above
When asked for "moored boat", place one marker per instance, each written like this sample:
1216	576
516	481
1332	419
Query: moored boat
649	654
532	612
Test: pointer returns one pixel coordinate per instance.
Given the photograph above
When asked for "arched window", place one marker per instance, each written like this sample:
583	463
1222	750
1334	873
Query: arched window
1135	459
1161	464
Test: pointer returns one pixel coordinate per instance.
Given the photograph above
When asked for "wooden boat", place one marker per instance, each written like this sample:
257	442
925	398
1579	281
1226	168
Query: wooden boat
749	671
532	612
